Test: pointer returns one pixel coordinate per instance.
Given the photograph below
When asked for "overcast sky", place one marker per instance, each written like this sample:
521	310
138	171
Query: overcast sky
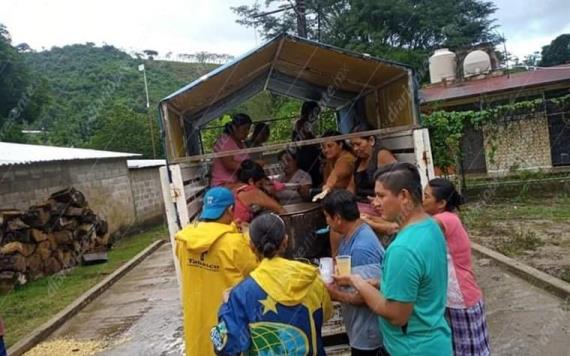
209	25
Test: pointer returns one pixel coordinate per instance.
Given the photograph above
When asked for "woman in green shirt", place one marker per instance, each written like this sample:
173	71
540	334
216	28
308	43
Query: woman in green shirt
411	301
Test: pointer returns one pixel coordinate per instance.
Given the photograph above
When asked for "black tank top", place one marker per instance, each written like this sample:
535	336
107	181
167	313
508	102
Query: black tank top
364	180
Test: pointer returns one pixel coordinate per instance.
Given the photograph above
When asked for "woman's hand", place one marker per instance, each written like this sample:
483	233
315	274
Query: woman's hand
322	194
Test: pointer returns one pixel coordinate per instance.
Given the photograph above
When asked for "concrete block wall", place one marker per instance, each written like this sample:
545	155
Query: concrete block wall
105	183
522	144
147	194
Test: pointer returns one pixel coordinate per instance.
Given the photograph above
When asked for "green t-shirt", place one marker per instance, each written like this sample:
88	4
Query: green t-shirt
415	271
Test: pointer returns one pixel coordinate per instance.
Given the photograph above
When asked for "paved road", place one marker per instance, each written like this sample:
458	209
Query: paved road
140	314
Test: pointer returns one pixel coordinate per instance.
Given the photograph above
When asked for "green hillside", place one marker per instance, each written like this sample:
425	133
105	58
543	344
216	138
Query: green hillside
98	92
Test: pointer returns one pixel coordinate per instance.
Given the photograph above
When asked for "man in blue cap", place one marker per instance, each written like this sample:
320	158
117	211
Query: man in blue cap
214	256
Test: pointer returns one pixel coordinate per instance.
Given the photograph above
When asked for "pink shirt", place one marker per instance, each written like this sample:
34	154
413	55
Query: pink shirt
220	175
242	212
462	291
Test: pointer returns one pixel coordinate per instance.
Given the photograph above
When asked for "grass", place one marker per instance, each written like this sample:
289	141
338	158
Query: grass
32	304
555	208
519	242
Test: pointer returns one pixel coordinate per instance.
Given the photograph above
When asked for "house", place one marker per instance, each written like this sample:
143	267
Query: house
530	141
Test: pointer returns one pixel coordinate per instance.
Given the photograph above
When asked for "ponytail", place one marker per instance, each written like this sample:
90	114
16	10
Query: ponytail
237	120
443	189
267	233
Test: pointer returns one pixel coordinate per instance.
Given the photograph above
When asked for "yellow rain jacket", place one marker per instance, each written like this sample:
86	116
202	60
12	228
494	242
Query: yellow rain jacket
213	257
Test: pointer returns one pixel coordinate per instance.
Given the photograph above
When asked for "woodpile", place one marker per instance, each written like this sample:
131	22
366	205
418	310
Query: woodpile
48	238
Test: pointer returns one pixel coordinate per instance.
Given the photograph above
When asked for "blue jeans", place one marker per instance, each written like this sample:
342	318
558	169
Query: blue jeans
2	347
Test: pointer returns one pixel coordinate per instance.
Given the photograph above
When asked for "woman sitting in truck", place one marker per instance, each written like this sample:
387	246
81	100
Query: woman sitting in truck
370	156
308	157
297	182
251	194
224	168
339	165
280	308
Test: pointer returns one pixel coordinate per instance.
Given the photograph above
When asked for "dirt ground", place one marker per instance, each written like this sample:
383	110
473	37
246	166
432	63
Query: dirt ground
535	231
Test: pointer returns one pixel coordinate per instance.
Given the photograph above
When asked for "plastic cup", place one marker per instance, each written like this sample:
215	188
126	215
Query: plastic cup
326	269
343	265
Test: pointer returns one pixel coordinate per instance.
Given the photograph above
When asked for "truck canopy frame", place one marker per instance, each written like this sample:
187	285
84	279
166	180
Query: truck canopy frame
381	92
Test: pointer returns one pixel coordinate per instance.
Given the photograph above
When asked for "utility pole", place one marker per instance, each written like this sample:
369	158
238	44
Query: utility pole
151	131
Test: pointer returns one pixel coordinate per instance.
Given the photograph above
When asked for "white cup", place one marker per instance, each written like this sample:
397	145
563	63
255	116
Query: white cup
326	268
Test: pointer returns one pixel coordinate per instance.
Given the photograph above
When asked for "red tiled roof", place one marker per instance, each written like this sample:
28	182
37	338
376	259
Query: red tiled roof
494	84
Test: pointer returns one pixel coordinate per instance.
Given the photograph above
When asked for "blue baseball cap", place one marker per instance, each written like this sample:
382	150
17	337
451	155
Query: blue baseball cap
216	201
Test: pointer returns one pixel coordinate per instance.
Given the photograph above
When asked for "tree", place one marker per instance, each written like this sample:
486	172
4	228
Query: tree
22	95
532	60
24	48
401	30
557	52
150	53
124	130
320	16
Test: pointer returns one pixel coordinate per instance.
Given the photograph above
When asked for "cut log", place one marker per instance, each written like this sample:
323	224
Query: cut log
102	240
85	230
34	266
38	235
44	249
70	196
65	223
17	263
18	247
88	217
63	237
75	212
52	266
16	224
37	216
9	214
101	227
67	260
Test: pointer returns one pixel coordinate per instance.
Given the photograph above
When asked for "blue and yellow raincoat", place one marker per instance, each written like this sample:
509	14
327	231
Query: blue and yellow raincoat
278	310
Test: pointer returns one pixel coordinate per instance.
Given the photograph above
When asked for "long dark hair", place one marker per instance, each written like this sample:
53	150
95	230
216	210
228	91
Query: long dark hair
377	144
237	120
443	189
258	128
343	143
250	170
307	108
267	233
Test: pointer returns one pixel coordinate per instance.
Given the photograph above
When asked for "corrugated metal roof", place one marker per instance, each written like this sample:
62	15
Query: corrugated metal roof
145	163
537	77
17	153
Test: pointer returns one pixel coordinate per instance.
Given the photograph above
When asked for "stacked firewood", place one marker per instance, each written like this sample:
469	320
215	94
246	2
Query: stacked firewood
48	238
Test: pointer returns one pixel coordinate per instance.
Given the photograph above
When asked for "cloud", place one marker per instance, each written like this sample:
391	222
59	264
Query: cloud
167	25
529	25
186	26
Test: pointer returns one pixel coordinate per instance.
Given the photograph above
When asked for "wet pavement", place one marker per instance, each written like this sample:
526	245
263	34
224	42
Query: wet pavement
141	313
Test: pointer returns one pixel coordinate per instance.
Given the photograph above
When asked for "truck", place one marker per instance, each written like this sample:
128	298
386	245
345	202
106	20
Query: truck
361	89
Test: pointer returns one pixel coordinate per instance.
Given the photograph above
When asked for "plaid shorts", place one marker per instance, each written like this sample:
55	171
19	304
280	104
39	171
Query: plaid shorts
469	330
